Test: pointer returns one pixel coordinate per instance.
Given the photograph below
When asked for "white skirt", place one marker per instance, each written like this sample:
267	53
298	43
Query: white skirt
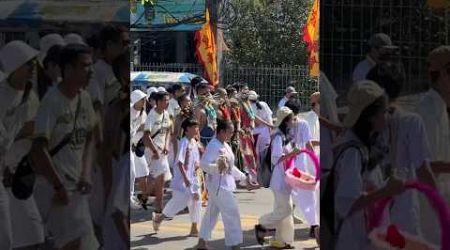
140	166
27	225
5	219
159	167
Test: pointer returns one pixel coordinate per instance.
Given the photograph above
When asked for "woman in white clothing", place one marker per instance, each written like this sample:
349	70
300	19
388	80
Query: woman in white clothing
139	166
156	140
263	121
358	184
281	218
185	185
218	161
304	200
20	103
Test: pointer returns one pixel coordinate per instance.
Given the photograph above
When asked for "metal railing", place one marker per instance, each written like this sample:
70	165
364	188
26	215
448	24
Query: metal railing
268	81
348	24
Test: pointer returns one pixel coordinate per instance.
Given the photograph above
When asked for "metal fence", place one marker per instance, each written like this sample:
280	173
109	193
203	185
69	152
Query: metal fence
348	24
268	81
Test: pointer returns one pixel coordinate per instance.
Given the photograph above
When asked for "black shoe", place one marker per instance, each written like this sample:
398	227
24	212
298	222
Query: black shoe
312	231
260	233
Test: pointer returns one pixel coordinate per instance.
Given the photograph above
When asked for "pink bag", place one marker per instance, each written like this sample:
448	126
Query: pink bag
299	179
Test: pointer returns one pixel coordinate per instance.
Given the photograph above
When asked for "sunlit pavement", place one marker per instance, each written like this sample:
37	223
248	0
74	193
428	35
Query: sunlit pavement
173	234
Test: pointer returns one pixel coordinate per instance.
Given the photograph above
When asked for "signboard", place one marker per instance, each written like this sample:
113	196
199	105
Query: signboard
167	15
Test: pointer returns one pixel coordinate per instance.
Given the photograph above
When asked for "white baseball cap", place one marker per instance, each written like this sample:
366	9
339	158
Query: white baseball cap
74	38
15	54
47	42
161	89
151	90
136	96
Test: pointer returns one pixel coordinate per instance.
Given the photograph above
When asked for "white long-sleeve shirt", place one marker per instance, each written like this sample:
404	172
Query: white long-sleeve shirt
215	181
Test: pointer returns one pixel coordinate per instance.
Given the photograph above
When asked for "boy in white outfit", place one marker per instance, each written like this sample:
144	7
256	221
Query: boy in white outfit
185	186
218	162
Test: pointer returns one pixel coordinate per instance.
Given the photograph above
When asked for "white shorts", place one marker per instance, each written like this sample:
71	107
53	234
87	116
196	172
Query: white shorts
27	225
159	167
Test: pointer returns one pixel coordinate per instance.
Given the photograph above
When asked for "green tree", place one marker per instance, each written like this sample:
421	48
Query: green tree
268	32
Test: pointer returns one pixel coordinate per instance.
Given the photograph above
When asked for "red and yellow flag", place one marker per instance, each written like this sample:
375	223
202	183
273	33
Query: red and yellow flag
311	38
206	52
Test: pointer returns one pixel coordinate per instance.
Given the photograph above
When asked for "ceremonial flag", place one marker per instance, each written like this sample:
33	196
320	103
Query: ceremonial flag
311	38
206	51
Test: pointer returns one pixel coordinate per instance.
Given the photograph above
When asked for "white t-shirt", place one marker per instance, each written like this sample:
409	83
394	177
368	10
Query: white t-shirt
156	121
137	119
362	69
208	163
104	86
186	150
173	108
302	135
55	119
282	102
277	182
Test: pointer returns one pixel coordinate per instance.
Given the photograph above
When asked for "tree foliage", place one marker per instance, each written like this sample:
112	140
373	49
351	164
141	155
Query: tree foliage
268	32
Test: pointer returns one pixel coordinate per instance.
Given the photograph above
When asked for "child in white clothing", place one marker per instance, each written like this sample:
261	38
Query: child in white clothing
185	184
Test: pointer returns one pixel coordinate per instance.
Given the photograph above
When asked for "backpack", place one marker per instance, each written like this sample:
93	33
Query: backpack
331	227
265	170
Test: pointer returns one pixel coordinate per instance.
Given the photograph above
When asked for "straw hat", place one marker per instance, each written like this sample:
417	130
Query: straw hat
14	55
359	97
252	95
282	113
47	42
74	38
136	96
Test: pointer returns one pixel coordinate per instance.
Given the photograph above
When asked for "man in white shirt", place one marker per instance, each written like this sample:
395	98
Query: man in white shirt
376	42
176	91
218	161
64	179
288	94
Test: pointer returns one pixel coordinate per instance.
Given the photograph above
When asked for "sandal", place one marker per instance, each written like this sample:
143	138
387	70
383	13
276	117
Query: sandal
258	230
278	245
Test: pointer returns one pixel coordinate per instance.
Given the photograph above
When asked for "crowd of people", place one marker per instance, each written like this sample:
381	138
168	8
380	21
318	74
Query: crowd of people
207	142
64	129
379	148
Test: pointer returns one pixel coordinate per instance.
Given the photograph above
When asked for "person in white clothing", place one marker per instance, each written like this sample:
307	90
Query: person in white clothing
357	184
281	218
288	94
263	121
66	115
21	223
376	43
139	166
156	140
407	141
185	185
218	161
304	200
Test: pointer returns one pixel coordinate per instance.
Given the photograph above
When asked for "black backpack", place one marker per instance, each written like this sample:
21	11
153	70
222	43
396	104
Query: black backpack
265	170
330	232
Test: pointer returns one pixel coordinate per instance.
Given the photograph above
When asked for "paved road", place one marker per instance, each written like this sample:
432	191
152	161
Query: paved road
173	234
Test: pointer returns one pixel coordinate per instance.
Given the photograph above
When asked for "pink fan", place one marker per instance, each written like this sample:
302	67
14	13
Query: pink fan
393	238
300	179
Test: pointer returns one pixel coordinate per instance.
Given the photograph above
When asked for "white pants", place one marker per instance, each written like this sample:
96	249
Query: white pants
225	204
305	203
5	219
281	218
179	201
27	225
